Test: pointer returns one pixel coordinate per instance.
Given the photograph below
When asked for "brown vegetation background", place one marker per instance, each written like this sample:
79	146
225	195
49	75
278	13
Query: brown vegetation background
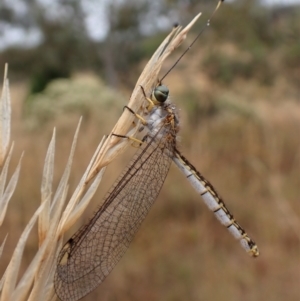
238	97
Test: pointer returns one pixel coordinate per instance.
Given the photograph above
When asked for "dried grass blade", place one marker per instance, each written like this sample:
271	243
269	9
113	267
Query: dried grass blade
46	263
3	178
64	223
40	273
1	283
28	279
65	178
5	117
79	209
14	264
9	190
46	273
2	245
179	38
46	190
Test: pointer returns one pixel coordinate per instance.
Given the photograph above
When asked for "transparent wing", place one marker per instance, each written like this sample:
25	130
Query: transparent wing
90	255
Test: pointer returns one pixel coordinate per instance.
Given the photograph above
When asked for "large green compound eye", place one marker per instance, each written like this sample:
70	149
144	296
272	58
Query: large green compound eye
160	93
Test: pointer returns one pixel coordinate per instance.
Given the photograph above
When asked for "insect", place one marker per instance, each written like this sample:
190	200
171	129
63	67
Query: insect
94	250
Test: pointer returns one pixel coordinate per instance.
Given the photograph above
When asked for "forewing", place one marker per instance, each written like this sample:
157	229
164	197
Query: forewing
90	255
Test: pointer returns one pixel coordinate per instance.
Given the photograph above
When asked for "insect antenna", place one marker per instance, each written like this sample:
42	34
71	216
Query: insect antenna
193	42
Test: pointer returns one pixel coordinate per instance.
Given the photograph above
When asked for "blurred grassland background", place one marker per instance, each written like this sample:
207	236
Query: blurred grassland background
238	95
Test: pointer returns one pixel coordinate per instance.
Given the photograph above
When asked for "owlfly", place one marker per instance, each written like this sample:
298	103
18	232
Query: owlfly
94	250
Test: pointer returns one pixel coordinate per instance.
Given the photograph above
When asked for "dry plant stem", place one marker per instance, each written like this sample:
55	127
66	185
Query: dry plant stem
1	248
63	184
5	195
80	199
5	117
46	190
85	200
40	272
12	270
33	275
113	146
3	177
